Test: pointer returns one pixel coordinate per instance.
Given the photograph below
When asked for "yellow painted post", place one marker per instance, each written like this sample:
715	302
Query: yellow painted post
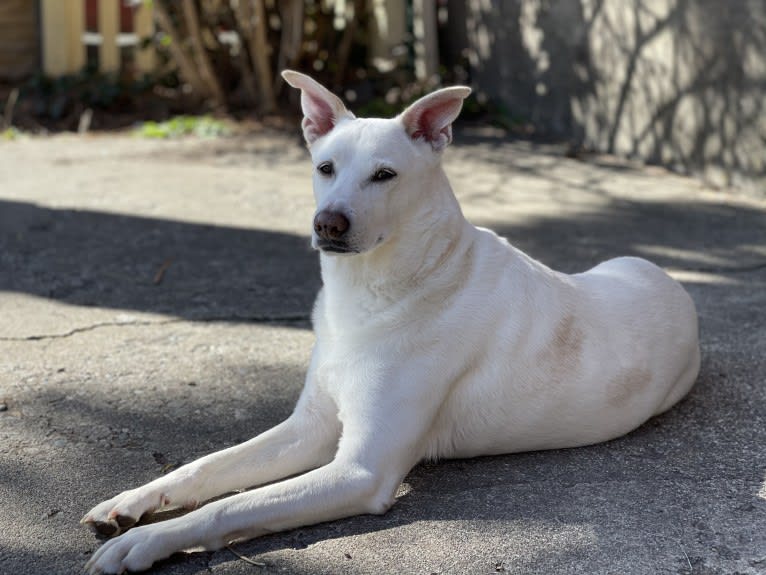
143	26
63	23
76	15
109	27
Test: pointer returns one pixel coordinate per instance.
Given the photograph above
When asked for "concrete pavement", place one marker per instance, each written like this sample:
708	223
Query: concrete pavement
154	307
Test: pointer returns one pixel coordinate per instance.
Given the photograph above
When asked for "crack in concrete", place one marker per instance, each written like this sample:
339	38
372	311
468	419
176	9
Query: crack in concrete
267	319
84	329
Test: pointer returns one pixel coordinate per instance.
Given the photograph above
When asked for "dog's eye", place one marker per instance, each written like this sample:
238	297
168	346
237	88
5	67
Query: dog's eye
326	168
383	174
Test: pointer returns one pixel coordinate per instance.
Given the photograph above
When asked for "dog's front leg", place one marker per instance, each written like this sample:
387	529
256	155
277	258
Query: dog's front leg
330	492
382	439
307	439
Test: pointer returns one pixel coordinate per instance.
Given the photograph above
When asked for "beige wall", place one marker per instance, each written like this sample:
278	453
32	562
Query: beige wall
678	82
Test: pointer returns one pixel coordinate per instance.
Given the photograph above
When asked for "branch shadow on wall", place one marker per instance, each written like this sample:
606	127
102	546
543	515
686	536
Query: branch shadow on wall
678	83
696	103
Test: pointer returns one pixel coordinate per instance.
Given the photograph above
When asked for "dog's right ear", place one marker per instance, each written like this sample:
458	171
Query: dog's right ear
322	110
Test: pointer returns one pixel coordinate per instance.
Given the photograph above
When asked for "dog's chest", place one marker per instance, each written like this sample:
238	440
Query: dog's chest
358	362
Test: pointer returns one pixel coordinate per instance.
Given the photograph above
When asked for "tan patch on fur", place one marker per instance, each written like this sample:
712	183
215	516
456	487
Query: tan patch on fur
568	340
630	383
564	350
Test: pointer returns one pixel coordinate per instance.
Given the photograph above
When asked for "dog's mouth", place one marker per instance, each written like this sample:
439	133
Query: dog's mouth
336	247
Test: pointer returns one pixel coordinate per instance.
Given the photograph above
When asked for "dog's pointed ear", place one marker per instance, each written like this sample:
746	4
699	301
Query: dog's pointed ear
322	109
430	118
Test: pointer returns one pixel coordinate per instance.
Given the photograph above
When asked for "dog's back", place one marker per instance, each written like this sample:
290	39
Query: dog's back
561	361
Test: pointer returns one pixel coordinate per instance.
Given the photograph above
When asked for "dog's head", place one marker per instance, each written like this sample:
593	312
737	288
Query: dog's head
369	171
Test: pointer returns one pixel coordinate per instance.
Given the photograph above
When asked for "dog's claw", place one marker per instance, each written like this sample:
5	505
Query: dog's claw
105	528
111	527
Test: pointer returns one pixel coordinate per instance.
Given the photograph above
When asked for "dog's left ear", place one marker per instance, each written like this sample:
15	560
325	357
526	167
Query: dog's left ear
431	117
322	109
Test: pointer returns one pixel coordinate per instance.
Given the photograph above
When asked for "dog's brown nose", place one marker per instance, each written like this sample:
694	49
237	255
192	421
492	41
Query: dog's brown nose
330	225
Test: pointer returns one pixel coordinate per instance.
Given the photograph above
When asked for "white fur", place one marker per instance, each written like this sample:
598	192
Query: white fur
435	339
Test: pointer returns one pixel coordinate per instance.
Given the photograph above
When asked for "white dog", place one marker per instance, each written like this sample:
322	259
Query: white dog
434	339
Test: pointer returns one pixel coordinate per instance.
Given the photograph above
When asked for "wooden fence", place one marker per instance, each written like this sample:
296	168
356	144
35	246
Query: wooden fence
65	38
18	39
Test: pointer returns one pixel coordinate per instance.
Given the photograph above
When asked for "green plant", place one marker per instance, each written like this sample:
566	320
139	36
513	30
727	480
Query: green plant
202	126
10	134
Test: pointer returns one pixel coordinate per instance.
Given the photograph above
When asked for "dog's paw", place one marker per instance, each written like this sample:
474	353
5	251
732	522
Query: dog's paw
120	513
134	551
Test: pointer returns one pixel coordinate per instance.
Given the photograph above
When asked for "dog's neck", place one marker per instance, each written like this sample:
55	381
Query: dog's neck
434	231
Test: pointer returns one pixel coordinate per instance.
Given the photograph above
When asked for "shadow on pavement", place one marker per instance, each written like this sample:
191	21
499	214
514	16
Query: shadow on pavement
680	235
198	271
189	270
522	493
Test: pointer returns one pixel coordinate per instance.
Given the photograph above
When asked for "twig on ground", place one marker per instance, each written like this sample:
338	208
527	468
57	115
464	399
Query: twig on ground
160	275
685	555
245	559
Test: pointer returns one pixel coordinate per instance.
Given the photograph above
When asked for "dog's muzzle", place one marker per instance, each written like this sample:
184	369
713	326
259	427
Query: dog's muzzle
331	227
